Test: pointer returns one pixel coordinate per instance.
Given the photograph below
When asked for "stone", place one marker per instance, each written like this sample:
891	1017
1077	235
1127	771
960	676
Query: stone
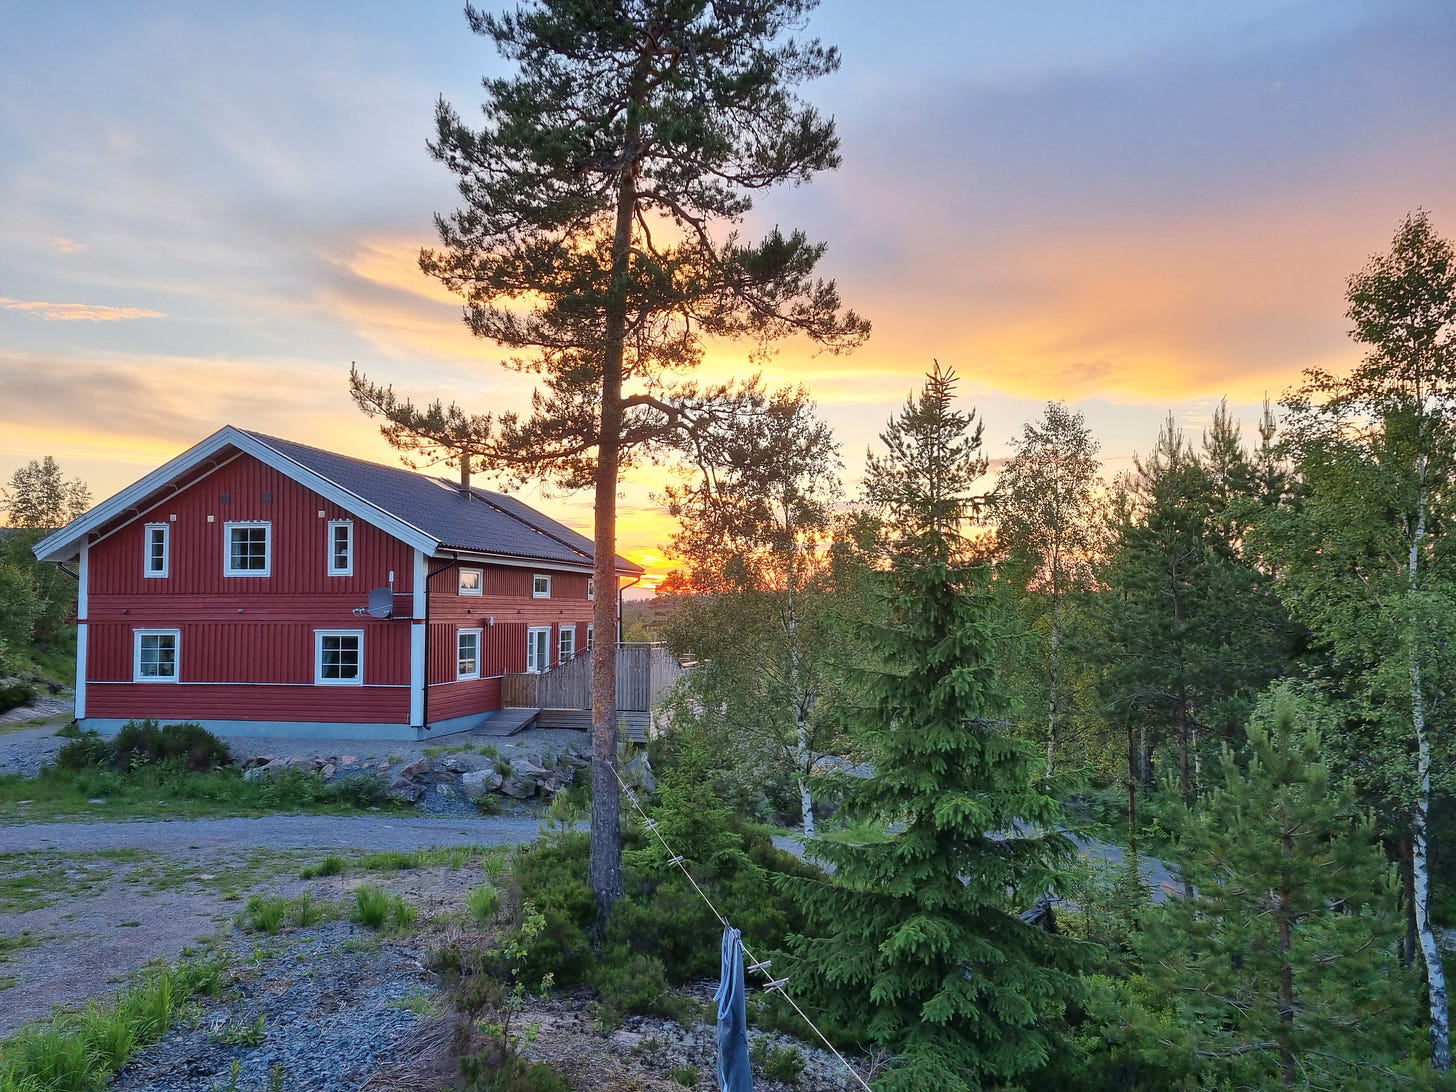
349	760
407	791
637	772
327	772
523	778
266	772
418	768
465	762
478	783
301	762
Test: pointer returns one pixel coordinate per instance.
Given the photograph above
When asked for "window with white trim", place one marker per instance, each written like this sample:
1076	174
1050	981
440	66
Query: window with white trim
154	656
589	641
540	586
341	547
249	548
591	587
338	657
566	644
470	582
158	560
538	648
467	654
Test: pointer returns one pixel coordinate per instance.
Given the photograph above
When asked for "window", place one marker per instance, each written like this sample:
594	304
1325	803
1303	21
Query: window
248	552
470	583
158	554
591	587
567	644
467	658
540	587
155	657
341	547
538	648
589	638
339	657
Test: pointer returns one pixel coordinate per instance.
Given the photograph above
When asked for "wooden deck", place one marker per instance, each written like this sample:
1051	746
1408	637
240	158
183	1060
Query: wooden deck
561	697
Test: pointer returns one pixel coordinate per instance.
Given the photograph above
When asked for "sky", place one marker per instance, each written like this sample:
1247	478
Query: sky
208	212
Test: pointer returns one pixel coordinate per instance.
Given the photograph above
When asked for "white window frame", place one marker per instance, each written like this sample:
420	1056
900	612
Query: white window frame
227	547
479	588
318	657
138	635
150	533
590	644
566	644
591	587
533	643
462	675
347	569
537	589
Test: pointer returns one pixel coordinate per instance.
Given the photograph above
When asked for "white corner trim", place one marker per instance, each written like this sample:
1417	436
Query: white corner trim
81	668
83	593
417	674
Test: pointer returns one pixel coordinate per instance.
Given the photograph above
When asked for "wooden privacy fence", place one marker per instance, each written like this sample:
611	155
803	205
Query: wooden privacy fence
644	673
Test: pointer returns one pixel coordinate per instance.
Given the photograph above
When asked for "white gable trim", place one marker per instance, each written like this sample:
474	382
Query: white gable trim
65	544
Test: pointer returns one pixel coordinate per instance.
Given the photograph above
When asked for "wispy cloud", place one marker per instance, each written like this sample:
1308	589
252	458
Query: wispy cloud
68	246
77	312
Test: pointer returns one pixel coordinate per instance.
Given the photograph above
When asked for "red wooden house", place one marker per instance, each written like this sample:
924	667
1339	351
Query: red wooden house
233	587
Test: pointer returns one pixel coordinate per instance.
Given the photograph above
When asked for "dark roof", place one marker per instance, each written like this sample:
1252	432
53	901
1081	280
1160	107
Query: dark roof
483	522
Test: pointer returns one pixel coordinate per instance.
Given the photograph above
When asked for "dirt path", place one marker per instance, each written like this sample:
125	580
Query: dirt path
84	905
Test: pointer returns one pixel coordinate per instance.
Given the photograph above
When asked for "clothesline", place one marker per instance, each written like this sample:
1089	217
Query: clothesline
754	964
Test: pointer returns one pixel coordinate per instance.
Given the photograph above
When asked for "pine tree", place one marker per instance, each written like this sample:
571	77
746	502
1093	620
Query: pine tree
917	937
598	233
1281	969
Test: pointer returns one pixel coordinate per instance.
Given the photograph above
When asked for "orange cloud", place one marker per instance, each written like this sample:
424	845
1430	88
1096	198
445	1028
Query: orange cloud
77	312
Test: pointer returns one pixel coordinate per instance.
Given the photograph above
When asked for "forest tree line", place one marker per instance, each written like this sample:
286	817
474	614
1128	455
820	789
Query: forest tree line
1239	651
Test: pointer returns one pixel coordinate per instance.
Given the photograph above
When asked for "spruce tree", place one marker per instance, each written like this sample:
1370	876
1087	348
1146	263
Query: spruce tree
1281	969
917	937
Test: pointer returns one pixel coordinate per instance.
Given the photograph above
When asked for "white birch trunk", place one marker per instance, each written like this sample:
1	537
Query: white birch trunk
1420	865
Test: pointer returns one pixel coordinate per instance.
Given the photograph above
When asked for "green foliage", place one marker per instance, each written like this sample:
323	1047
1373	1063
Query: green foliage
87	751
140	743
483	901
332	865
378	909
79	1051
265	913
239	1033
784	1064
917	939
1283	964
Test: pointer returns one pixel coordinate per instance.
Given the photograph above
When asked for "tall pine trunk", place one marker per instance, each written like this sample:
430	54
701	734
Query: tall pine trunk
605	864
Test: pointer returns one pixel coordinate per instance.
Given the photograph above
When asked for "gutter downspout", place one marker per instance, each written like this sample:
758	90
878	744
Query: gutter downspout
425	697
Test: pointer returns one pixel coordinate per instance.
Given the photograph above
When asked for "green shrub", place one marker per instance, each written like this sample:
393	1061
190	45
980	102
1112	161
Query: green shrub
390	860
777	1063
145	743
629	983
14	693
87	751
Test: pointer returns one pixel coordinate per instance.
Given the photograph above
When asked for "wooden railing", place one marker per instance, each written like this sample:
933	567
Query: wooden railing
644	673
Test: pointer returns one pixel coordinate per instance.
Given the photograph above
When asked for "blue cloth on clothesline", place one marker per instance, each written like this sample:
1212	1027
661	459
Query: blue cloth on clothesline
734	1073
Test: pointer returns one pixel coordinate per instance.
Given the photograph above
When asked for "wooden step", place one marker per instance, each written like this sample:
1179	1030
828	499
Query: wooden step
507	722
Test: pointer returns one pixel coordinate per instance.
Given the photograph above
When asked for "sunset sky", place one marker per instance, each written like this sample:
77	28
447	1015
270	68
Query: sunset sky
208	211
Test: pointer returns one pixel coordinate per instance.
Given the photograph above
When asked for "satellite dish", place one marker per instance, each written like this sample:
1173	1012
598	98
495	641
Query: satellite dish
381	603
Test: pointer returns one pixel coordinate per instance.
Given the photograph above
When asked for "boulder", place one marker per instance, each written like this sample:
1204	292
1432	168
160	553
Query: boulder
478	783
407	791
523	778
266	772
326	773
637	772
467	762
418	768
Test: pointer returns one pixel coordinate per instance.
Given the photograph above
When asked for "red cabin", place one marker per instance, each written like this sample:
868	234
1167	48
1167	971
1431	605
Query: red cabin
264	587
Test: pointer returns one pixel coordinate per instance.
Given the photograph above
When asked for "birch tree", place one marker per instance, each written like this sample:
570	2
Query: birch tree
1046	516
1367	558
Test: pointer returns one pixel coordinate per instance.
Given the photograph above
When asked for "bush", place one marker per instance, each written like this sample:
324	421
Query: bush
88	751
14	693
144	743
